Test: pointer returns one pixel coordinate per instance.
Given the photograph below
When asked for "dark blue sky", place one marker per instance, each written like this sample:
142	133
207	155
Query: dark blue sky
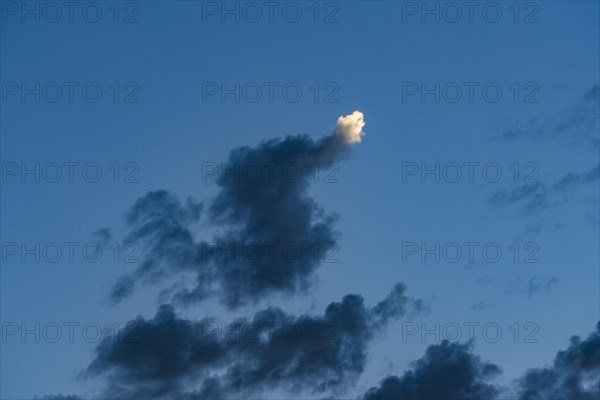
182	83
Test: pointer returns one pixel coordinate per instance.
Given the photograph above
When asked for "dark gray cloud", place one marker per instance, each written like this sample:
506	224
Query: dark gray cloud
172	357
163	227
446	371
532	198
575	124
270	234
59	397
450	371
574	374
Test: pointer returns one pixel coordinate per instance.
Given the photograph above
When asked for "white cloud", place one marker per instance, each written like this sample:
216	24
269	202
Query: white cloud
349	127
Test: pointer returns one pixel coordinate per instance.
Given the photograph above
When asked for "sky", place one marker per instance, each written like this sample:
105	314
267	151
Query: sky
448	188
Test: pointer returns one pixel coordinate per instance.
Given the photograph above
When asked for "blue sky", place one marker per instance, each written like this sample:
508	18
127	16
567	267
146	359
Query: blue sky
368	56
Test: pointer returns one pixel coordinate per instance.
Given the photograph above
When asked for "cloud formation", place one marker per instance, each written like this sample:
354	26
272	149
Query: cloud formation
271	235
446	371
574	374
172	357
452	371
169	356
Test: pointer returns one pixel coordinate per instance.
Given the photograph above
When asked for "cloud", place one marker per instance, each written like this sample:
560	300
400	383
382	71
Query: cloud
163	225
59	397
446	371
480	306
574	374
172	357
532	197
271	235
571	181
536	197
103	237
350	127
531	286
451	371
577	123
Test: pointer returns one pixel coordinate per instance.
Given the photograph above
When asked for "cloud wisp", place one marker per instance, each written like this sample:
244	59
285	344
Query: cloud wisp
533	198
578	123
